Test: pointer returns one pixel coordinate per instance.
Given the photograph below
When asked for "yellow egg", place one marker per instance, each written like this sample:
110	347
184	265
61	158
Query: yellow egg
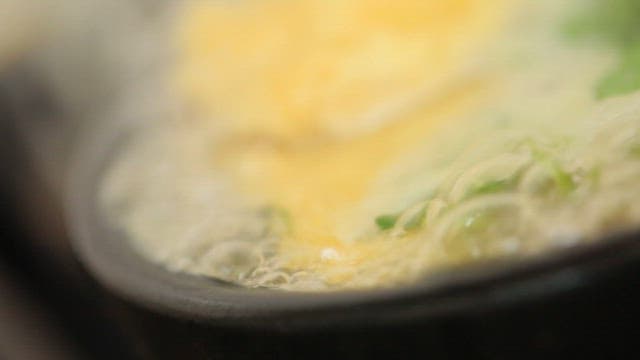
316	97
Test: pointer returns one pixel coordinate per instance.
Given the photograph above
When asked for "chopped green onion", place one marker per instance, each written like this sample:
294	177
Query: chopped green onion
386	222
490	187
614	22
625	78
416	220
562	179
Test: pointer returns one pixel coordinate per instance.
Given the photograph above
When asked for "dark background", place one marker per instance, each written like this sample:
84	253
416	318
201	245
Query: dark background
49	307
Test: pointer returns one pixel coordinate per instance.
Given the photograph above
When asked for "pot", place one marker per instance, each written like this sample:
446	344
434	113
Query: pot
574	301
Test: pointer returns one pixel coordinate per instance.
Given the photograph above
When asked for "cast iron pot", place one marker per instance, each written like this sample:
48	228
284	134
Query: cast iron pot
572	302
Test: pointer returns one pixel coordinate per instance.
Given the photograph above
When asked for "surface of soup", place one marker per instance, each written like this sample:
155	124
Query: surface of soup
357	143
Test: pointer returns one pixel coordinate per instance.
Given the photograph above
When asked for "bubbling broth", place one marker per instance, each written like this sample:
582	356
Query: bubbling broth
355	144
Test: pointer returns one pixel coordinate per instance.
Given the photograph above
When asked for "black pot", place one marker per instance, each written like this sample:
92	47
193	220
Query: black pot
577	301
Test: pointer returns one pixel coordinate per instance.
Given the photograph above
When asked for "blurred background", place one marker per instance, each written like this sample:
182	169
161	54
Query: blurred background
62	62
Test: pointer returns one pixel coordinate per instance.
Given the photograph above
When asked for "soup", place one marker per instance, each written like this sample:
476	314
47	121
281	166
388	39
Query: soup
327	145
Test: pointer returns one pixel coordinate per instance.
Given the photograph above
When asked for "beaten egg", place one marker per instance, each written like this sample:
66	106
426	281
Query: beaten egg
318	96
357	143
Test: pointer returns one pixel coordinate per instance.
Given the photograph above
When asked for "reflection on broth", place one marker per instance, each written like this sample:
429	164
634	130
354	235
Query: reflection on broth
358	143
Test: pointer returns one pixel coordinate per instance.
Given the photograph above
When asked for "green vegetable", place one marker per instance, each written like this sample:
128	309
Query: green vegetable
625	78
614	21
635	150
386	222
562	179
617	23
416	220
490	187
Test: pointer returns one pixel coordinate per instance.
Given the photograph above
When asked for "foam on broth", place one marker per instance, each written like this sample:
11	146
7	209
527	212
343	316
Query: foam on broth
311	162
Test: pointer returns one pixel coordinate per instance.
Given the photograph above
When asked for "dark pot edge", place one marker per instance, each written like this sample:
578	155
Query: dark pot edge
106	254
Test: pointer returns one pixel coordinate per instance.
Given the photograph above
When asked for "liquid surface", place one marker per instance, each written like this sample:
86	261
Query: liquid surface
351	144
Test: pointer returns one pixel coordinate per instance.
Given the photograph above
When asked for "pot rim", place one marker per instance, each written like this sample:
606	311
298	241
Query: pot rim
106	253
